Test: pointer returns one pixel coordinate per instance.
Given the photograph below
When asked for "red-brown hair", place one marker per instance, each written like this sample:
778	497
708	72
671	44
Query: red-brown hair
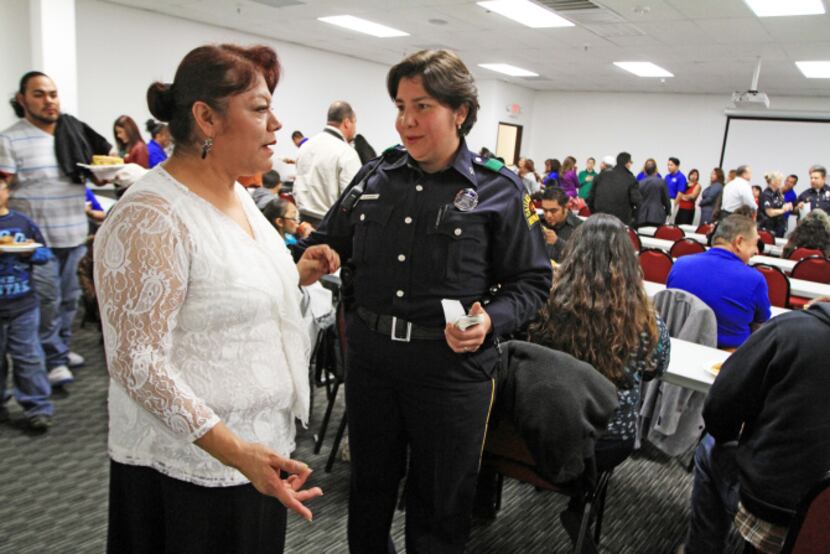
133	135
210	74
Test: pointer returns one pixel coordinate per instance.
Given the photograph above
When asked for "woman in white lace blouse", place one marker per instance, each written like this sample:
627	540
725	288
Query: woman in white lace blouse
205	344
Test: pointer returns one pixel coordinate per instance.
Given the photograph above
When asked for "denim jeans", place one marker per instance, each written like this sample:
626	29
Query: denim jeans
56	284
714	497
19	339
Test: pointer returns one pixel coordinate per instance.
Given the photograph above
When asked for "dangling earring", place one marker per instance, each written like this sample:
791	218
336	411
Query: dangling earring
206	147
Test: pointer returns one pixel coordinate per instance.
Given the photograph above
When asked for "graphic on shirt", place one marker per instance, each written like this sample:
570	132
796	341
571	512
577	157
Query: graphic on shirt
14	272
530	214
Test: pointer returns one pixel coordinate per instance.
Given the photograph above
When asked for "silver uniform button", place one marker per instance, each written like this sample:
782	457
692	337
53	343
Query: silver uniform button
407	220
399	294
458	231
419	188
401	258
362	217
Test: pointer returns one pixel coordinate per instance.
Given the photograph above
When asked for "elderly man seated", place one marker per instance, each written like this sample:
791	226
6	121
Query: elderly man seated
721	278
769	434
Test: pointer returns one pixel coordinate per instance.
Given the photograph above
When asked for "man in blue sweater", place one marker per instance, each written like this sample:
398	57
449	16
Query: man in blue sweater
721	278
20	317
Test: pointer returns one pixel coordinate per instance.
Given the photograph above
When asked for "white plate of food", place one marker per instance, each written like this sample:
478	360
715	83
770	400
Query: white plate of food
103	172
19	247
713	369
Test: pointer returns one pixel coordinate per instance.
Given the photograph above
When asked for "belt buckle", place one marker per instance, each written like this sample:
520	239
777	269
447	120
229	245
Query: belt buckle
393	334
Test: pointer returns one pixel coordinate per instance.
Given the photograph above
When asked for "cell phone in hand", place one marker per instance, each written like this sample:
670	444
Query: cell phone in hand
467	321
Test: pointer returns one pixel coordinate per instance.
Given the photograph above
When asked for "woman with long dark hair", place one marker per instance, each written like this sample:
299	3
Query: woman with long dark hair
599	313
128	140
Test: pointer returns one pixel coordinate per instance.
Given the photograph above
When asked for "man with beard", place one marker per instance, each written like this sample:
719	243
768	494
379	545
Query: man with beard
40	153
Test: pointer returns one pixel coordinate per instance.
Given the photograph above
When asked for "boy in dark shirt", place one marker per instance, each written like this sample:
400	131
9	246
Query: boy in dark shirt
20	317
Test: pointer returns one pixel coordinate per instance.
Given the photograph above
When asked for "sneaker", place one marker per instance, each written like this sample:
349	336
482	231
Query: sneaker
60	375
40	422
76	360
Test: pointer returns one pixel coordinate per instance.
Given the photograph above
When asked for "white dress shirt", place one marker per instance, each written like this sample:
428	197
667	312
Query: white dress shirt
737	193
326	165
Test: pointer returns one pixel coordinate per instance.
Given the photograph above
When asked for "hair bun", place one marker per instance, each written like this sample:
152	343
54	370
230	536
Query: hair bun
160	101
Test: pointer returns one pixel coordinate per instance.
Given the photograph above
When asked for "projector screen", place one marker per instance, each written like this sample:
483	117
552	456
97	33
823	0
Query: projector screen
785	145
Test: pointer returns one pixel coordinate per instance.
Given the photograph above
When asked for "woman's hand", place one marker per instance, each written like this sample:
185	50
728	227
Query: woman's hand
470	339
262	467
317	261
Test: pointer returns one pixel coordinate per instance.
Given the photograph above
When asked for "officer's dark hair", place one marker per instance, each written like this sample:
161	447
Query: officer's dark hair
818	169
623	158
675	161
24	81
731	227
742	169
338	111
444	76
650	167
296	135
557	195
270	180
209	74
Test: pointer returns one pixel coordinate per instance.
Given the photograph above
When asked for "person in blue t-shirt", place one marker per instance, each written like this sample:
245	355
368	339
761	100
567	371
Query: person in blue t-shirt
675	179
790	195
157	148
721	278
20	317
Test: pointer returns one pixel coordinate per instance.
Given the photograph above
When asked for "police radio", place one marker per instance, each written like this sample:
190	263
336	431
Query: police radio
352	198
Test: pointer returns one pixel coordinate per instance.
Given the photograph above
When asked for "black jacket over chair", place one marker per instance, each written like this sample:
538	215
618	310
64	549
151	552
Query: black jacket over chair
557	404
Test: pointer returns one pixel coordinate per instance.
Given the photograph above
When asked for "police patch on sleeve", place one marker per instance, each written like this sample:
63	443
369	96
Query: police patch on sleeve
529	211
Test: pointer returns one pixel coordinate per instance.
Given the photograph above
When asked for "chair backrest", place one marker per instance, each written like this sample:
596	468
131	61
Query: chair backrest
585	211
812	268
635	239
684	247
704	228
801	253
809	531
778	285
656	265
669	232
766	237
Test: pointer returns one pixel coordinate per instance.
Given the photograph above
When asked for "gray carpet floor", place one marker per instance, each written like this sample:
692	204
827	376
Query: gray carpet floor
53	488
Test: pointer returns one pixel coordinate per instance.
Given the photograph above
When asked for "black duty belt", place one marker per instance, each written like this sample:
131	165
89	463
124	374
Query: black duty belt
398	329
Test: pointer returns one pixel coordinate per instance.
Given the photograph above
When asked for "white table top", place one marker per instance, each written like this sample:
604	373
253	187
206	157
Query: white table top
653	288
808	289
688	365
692	229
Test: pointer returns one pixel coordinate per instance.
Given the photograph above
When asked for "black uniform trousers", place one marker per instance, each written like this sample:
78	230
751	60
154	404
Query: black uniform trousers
423	396
151	513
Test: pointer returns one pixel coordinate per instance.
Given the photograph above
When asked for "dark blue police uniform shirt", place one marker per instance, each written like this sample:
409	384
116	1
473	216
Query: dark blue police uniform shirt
16	290
736	292
411	247
676	182
817	198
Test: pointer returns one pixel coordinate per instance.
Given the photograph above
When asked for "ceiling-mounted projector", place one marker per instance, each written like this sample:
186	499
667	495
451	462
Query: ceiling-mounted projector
751	99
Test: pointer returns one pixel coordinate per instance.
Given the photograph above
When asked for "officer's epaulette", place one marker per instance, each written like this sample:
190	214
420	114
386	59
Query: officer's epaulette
490	163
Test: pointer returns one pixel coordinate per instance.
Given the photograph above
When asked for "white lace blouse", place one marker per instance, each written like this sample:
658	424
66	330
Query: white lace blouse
201	324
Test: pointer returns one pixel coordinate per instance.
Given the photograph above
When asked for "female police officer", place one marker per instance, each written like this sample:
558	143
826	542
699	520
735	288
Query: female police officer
422	223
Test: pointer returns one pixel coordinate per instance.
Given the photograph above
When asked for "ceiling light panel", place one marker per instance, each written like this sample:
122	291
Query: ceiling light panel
527	13
508	69
777	8
363	26
644	69
815	69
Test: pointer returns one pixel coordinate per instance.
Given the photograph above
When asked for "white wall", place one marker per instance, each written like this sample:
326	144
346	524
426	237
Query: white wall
15	53
657	126
118	61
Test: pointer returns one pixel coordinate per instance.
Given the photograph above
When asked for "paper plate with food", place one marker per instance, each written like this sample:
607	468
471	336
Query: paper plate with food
714	368
8	246
104	167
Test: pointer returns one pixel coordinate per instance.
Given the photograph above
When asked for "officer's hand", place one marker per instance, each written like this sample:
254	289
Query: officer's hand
470	339
317	261
550	235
